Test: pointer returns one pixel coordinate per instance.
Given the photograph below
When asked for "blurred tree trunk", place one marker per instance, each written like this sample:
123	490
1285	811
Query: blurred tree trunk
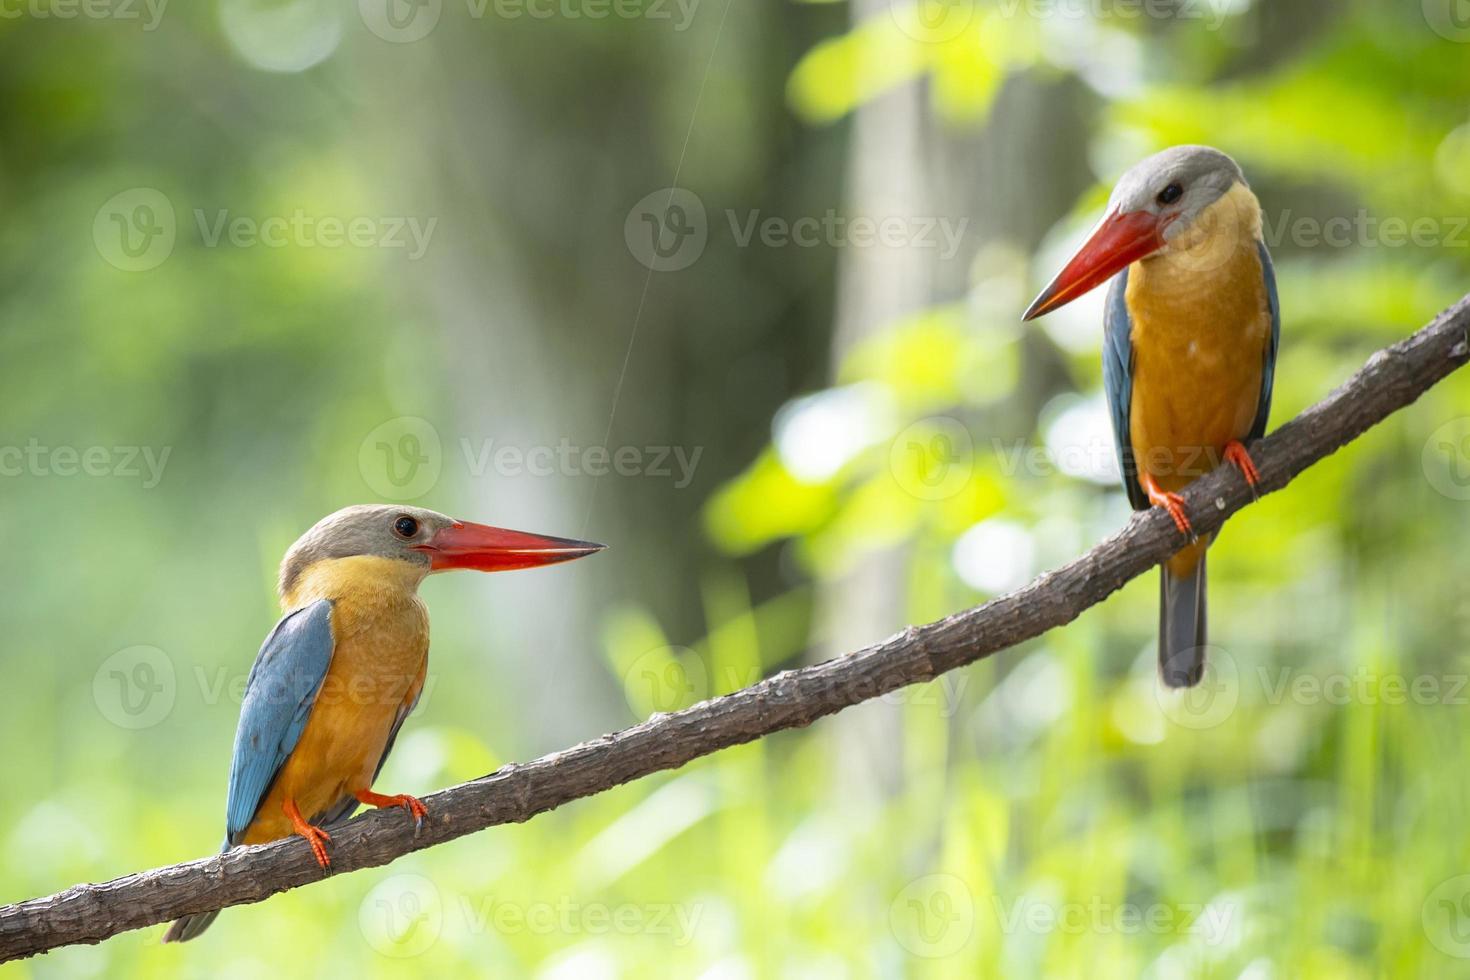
877	287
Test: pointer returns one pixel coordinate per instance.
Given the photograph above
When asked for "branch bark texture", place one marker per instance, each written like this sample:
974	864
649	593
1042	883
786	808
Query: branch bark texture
1391	379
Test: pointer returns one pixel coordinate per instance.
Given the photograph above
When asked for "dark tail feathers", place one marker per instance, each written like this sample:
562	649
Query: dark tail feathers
1182	626
185	929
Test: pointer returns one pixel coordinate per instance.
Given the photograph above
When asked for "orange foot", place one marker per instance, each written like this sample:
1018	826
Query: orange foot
409	803
315	836
1235	451
1171	502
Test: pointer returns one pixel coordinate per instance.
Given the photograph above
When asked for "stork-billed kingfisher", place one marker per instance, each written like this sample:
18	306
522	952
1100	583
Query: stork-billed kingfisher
345	665
1189	351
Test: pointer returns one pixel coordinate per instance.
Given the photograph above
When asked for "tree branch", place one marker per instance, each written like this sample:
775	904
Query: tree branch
1392	378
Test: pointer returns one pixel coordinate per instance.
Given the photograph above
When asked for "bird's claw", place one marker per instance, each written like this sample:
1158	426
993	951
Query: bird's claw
315	836
319	839
412	804
1174	504
1240	457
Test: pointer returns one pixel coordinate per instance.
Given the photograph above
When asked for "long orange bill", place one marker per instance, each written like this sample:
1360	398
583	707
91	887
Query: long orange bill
496	549
1119	240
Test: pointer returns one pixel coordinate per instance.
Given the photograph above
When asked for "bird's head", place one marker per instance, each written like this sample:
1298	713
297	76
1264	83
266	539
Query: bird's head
426	540
1156	204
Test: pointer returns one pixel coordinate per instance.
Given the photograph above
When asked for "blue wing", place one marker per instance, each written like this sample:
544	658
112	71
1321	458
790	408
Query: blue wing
279	693
1268	372
1118	383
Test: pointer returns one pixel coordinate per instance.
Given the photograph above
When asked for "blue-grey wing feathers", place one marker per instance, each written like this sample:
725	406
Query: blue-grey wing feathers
1118	383
1268	372
279	693
282	686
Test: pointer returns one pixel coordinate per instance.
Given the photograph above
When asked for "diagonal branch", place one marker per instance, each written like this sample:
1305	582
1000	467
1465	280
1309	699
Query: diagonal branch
1393	378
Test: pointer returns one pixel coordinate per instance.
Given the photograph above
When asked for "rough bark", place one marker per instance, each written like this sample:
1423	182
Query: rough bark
1392	378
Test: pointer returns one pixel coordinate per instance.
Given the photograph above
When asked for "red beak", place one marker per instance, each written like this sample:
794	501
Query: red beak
495	549
1120	240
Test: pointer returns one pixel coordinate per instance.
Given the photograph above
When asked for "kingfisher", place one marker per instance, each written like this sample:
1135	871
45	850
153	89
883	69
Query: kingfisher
344	666
1191	328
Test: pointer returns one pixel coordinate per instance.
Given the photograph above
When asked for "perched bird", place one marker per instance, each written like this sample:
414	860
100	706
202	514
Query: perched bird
345	665
1189	351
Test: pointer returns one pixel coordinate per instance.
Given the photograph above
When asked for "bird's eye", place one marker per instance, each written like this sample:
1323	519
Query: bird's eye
405	527
1170	194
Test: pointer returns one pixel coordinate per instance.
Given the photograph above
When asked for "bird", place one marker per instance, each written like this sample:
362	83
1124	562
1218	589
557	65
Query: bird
344	666
1192	323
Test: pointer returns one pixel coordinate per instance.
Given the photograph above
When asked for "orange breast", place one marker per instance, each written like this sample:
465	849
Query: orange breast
1200	330
378	668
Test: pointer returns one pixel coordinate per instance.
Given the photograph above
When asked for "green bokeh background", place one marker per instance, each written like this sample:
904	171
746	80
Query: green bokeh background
864	419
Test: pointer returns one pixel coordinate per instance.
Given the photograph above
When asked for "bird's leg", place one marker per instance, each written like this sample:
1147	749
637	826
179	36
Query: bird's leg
1237	454
1171	502
315	836
409	803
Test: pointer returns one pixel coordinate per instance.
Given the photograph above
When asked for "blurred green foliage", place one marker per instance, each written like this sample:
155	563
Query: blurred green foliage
1054	814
